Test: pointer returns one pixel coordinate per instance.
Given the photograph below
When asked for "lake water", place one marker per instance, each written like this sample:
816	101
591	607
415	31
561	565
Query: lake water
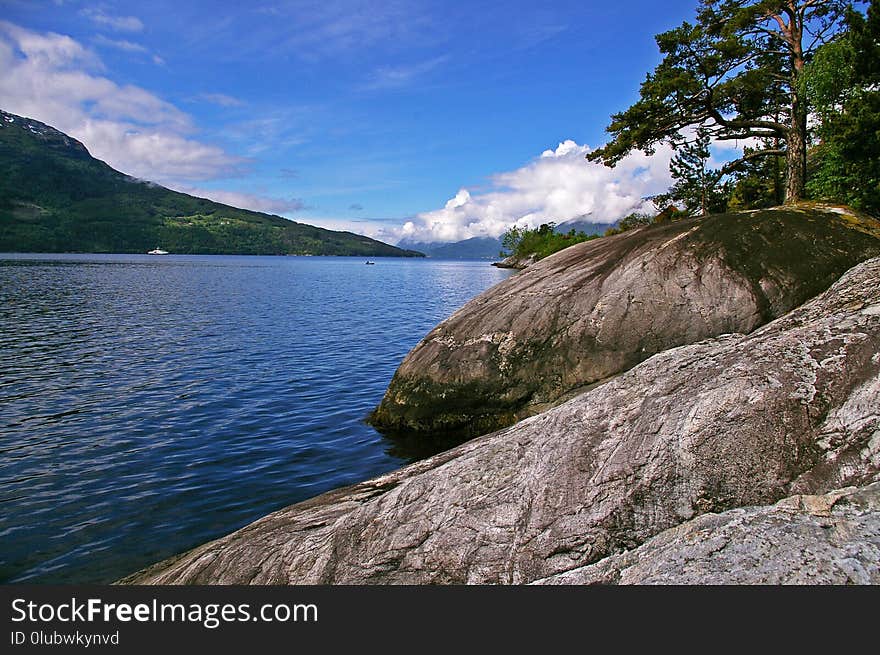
150	404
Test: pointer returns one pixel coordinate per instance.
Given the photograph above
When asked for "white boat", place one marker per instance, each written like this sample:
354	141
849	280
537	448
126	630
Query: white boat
158	251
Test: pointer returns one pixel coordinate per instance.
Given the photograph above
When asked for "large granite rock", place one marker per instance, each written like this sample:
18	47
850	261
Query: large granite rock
828	539
739	420
598	308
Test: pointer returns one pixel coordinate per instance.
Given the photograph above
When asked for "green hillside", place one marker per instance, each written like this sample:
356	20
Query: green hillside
55	197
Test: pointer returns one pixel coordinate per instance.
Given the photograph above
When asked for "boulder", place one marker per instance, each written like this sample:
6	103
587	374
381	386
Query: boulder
515	262
596	309
739	420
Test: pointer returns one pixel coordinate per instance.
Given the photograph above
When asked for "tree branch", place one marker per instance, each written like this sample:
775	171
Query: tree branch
750	134
745	124
730	166
784	32
802	11
819	36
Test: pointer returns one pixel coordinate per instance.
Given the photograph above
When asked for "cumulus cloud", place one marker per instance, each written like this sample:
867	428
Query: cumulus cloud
558	185
47	51
116	23
54	79
246	200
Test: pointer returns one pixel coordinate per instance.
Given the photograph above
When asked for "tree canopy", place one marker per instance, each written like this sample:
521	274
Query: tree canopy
697	187
540	242
736	73
843	86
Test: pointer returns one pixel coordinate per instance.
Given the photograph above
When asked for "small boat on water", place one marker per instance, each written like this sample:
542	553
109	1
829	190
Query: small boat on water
158	251
369	263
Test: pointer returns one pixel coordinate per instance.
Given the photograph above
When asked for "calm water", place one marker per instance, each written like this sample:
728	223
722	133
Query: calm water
149	404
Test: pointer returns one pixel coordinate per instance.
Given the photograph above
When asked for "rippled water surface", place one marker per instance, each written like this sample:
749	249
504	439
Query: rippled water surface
149	404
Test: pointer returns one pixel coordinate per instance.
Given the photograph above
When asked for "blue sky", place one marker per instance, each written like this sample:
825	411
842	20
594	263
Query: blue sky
398	119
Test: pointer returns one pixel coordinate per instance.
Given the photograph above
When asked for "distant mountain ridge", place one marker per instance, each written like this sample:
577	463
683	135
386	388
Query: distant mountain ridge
489	247
581	224
56	197
473	248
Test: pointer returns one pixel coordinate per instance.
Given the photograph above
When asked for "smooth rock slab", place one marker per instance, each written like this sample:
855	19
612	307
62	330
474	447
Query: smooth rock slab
793	408
828	539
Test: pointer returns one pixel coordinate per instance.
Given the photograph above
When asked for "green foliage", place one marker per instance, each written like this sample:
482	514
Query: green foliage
699	189
630	222
524	242
54	197
759	183
736	71
843	82
634	220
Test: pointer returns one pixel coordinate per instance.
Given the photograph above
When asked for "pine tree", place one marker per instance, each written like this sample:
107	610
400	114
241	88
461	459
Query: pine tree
737	71
697	187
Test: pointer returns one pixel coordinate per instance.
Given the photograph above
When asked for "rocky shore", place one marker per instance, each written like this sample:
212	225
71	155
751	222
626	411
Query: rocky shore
673	471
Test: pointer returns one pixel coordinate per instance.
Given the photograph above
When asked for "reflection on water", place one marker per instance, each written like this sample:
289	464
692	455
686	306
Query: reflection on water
150	404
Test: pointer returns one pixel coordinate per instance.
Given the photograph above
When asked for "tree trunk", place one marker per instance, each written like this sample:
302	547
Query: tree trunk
778	190
796	152
796	146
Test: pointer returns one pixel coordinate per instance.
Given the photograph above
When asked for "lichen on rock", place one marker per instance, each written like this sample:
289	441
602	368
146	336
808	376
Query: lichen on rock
832	538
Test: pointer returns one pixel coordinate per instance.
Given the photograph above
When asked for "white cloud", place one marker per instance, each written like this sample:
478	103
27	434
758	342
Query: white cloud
246	200
120	44
47	50
220	99
318	29
116	23
557	186
127	46
373	228
54	79
395	77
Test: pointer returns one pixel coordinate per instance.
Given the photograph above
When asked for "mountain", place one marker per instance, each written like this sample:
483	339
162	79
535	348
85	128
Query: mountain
56	197
489	248
581	224
473	248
